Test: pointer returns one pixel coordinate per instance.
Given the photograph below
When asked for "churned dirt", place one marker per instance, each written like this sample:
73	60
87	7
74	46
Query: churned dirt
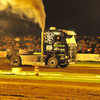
27	89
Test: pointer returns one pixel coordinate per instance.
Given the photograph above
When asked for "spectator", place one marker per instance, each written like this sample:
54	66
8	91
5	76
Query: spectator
89	49
87	42
4	48
39	49
9	49
96	51
93	46
12	43
0	48
99	50
2	38
84	48
81	47
17	39
79	50
23	46
98	45
85	38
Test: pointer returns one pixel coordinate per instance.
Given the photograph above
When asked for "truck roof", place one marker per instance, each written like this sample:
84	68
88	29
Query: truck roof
68	32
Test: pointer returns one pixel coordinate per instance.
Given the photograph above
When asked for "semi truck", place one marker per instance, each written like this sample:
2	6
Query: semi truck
58	48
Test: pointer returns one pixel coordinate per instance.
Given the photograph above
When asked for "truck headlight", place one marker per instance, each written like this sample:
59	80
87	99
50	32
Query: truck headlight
66	57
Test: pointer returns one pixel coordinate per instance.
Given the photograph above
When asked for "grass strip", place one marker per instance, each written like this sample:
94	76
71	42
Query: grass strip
57	76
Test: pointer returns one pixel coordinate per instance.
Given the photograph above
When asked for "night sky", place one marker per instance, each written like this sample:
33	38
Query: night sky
81	16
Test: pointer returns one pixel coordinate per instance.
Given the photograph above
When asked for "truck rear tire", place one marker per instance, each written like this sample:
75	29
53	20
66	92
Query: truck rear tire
15	61
53	62
64	66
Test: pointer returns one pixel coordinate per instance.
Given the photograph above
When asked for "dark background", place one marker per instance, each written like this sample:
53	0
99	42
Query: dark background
81	16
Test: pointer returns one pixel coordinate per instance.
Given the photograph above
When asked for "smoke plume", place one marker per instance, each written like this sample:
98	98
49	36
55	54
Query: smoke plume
31	9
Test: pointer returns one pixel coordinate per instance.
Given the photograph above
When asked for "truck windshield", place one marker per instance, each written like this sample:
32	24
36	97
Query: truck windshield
71	39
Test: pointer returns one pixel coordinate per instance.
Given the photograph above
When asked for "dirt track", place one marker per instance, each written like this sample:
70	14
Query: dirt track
14	89
69	69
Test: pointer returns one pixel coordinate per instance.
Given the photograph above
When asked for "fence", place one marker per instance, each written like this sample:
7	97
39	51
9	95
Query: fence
88	57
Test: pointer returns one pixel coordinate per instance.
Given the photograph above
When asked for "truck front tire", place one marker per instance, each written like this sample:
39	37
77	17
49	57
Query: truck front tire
53	62
15	61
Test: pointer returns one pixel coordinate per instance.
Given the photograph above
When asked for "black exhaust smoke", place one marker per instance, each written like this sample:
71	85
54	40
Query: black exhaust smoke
21	12
32	9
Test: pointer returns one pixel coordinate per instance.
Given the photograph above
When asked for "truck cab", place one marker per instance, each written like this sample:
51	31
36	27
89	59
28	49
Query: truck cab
60	46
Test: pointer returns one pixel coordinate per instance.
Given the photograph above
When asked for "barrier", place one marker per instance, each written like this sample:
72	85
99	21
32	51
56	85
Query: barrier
88	57
3	53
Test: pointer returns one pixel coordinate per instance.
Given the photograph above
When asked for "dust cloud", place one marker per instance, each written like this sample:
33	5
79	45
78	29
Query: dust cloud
31	9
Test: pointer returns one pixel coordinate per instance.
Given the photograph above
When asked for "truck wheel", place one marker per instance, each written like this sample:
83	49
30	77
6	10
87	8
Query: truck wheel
63	66
53	62
15	61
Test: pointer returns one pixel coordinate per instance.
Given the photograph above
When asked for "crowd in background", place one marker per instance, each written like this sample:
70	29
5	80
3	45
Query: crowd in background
85	44
88	44
29	43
